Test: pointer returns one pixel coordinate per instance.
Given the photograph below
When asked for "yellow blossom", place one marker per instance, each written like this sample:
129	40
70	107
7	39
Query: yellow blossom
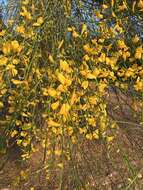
52	123
139	85
93	100
89	136
75	34
64	80
82	130
25	13
90	76
110	138
16	82
14	133
61	78
102	87
138	52
74	98
96	134
70	131
60	165
3	60
20	29
25	2
140	4
2	33
84	84
135	39
39	21
15	47
6	48
64	66
52	92
51	59
65	109
58	152
55	105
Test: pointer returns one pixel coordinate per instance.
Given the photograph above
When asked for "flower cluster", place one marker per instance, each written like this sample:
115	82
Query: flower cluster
63	92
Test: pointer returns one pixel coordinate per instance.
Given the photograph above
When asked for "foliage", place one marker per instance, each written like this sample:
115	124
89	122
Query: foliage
55	76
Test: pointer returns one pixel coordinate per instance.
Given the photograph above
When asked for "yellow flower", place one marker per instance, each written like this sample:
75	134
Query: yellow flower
96	134
16	82
87	48
20	29
6	48
84	85
15	46
60	165
82	130
102	87
121	44
52	92
65	109
104	6
51	59
90	76
58	152
109	139
61	88
61	78
92	121
25	2
3	60
55	105
32	188
93	100
52	123
111	61
102	57
25	13
96	72
39	22
98	15
89	136
74	139
70	131
129	72
138	52
14	133
75	34
12	69
139	85
15	61
122	7
2	33
86	57
74	98
64	66
135	39
140	4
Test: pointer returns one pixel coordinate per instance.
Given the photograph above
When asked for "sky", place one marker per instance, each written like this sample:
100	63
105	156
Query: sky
3	1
